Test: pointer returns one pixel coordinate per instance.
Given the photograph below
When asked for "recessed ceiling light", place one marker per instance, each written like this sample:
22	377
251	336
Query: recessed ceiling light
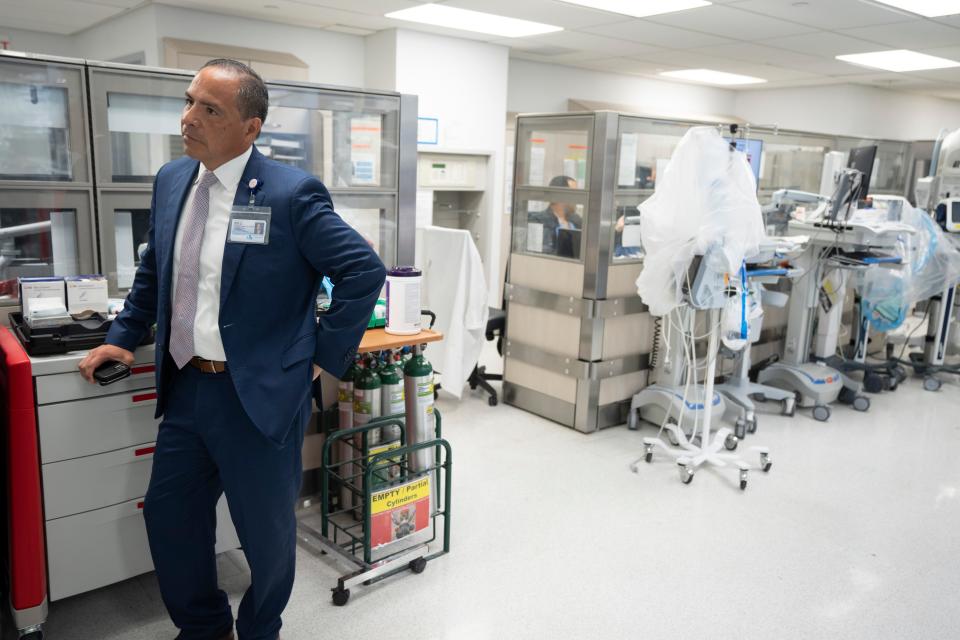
898	60
928	8
640	8
441	15
710	76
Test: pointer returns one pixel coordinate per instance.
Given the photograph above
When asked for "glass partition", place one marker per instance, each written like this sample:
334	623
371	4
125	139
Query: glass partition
136	123
43	234
42	122
348	140
374	217
553	149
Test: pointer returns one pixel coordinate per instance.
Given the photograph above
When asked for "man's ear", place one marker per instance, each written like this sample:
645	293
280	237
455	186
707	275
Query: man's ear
253	127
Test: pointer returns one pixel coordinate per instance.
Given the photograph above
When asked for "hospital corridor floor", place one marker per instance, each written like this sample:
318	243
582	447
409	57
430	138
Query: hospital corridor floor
852	534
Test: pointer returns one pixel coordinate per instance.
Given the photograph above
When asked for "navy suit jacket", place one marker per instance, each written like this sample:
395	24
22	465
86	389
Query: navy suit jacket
267	292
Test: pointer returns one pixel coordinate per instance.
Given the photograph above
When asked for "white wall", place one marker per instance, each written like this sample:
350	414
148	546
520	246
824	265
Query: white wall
37	42
380	60
127	33
849	109
333	58
463	84
545	88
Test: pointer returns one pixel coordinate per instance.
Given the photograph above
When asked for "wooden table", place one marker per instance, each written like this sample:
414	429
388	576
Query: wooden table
379	340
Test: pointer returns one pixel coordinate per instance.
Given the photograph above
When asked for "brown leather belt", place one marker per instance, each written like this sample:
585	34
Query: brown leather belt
208	366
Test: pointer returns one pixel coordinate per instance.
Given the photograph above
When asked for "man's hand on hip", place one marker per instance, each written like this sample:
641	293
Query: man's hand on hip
103	353
316	372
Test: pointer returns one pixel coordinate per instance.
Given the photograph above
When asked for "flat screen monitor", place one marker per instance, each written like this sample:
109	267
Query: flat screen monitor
568	243
753	149
862	159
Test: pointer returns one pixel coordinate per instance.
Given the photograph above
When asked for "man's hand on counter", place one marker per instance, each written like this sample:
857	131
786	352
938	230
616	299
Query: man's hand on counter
101	354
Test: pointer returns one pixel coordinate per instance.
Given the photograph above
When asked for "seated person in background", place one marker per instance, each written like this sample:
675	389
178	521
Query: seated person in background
556	216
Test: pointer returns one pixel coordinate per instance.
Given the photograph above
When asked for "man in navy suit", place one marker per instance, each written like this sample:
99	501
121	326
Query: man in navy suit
238	345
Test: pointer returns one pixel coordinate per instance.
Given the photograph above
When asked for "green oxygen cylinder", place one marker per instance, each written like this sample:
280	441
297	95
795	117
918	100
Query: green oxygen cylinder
344	452
418	398
366	400
391	377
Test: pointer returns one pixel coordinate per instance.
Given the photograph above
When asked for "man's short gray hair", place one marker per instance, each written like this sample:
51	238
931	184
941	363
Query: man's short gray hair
252	97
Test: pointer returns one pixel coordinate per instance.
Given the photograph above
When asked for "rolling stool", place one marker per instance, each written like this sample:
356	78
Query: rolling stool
496	325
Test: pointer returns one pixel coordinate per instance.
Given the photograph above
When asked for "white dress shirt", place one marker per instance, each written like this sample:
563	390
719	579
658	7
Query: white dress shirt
206	325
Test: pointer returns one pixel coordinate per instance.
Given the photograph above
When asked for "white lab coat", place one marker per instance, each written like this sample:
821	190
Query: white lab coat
455	289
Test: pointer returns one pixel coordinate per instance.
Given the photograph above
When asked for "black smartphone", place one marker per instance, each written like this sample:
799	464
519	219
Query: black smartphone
110	371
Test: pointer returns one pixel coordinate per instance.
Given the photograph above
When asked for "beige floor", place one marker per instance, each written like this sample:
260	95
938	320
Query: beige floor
853	534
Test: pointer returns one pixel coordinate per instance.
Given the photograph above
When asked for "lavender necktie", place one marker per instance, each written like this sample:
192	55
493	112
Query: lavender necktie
188	273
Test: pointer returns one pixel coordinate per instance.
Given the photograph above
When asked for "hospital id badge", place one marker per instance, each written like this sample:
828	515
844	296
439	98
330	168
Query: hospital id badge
249	225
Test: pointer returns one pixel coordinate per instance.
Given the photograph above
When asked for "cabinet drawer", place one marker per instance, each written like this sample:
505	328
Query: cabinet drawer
62	387
83	484
87	427
93	549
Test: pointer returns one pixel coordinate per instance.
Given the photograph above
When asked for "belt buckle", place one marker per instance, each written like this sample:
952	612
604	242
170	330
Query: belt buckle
213	366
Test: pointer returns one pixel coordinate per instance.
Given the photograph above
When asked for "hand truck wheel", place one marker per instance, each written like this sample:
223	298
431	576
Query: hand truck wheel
340	596
417	565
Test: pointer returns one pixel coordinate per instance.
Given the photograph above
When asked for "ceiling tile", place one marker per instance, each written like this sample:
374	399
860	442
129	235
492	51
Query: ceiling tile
888	80
765	54
627	65
823	44
556	13
657	34
368	7
908	35
731	22
943	76
593	45
825	14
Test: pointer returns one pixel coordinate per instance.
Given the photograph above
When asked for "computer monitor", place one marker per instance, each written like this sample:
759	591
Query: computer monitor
568	243
862	159
753	149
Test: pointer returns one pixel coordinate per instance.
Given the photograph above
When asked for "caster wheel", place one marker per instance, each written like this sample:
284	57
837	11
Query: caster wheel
473	386
341	596
686	474
766	468
752	425
648	457
861	403
743	485
492	401
931	384
900	374
740	428
789	407
730	442
873	383
821	413
743	479
765	462
417	565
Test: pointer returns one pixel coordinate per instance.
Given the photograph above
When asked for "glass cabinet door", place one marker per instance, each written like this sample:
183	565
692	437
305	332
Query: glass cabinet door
136	123
42	121
374	217
43	233
551	149
348	140
124	218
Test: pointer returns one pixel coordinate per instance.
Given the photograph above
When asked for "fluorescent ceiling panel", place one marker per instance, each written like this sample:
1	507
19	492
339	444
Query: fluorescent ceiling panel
898	60
709	76
451	17
640	8
928	8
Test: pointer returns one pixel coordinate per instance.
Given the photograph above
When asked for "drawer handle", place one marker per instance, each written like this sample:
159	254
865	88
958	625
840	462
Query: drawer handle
144	452
150	368
143	397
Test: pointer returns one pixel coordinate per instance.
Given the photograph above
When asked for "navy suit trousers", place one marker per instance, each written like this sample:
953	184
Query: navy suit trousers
208	446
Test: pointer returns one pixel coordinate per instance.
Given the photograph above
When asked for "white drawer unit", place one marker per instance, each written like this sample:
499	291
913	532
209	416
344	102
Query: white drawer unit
92	482
95	425
91	550
64	387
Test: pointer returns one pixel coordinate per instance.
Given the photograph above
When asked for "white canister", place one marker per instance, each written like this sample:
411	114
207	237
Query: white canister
403	301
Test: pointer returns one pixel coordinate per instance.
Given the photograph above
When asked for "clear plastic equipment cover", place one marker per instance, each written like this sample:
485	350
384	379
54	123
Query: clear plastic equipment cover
706	197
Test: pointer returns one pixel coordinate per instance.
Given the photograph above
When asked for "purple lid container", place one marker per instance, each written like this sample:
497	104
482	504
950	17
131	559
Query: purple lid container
404	272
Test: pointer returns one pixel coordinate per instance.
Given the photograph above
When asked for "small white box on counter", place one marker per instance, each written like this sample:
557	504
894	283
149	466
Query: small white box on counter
37	288
87	293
